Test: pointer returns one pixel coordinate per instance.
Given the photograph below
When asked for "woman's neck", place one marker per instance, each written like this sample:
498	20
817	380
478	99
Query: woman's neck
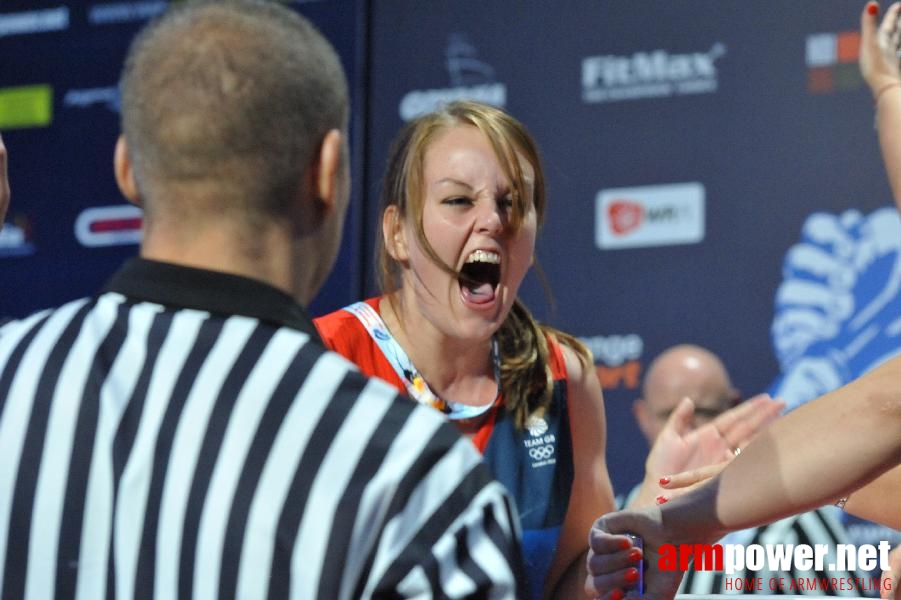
455	370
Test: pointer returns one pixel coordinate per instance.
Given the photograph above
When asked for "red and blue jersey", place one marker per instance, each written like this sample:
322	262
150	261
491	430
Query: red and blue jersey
535	464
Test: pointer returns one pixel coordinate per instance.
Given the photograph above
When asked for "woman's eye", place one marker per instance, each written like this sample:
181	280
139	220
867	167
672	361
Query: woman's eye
506	202
458	201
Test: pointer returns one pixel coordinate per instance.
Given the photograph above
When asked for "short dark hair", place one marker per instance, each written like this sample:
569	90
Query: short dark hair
234	95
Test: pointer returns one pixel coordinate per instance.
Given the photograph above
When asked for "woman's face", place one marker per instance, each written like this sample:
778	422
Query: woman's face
466	210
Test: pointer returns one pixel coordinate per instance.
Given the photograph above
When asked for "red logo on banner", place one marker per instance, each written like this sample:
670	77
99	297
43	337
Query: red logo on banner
625	216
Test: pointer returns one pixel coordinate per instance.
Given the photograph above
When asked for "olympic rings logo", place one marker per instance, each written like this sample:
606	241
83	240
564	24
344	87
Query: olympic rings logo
541	452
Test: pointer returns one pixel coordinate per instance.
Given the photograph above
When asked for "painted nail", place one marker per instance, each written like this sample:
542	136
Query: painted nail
664	480
662	499
616	594
635	555
625	544
632	575
873	9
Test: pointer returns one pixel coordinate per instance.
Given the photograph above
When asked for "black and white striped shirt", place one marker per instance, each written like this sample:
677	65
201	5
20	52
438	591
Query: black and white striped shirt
184	435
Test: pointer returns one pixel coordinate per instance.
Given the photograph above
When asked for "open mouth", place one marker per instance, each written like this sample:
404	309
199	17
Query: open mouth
480	275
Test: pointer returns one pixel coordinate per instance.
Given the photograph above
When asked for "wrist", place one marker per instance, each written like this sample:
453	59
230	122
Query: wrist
692	518
883	89
647	493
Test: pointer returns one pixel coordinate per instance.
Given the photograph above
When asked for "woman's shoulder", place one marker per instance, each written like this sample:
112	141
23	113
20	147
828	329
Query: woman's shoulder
342	326
567	356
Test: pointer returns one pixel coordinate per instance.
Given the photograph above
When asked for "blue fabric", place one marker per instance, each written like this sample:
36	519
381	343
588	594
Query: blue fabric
538	547
536	466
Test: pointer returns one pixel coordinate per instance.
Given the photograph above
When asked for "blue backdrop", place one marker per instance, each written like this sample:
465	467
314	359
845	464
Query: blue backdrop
712	169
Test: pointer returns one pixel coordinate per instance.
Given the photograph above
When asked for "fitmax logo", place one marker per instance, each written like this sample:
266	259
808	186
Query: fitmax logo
652	74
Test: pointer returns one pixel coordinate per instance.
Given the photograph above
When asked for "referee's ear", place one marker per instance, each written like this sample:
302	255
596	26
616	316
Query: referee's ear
125	177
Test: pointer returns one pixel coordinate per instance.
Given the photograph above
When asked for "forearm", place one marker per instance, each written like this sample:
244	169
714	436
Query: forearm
812	456
888	124
869	502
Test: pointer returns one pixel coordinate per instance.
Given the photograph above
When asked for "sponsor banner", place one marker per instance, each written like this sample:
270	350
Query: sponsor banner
85	98
125	12
471	79
831	60
109	226
26	106
34	21
617	360
15	238
648	216
420	102
654	74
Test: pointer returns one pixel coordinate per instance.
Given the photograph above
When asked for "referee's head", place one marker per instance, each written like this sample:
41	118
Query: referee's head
234	116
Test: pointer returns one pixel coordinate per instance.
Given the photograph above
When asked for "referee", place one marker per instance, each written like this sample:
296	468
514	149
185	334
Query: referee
183	434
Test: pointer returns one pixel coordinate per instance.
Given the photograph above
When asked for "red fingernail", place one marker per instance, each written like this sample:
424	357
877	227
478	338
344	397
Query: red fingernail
873	9
662	499
616	595
625	544
635	555
632	575
664	480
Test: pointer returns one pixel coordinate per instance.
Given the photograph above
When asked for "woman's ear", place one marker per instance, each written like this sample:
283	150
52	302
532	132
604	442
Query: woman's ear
125	176
393	234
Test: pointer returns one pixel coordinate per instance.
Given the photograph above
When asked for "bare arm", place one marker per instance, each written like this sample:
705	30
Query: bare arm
825	449
592	492
869	502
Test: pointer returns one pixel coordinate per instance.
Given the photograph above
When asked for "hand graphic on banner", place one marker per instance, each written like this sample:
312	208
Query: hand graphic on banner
837	305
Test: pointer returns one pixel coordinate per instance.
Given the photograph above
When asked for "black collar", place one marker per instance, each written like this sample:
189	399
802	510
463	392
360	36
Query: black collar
212	291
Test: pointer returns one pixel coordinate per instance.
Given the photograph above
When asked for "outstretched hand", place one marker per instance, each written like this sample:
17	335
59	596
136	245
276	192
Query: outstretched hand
705	450
879	62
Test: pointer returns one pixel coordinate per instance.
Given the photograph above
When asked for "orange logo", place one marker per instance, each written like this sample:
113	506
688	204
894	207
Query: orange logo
626	375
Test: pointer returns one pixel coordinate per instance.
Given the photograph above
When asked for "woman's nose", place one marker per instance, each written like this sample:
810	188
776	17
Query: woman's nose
492	218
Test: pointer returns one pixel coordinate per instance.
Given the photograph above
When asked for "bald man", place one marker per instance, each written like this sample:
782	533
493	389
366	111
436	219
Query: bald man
683	371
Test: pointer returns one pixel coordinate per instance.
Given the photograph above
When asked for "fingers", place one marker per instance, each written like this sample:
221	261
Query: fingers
890	577
891	32
614	570
738	425
692	476
604	542
612	564
869	19
681	420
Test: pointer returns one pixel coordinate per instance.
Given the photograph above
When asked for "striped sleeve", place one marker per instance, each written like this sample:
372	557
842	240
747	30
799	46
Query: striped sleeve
451	530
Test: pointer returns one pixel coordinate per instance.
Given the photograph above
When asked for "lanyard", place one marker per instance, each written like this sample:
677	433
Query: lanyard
416	385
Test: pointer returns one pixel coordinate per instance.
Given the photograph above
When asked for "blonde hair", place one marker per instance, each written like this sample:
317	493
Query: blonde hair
526	376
